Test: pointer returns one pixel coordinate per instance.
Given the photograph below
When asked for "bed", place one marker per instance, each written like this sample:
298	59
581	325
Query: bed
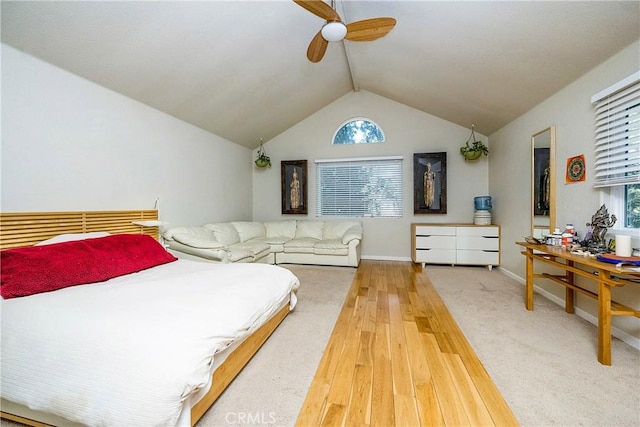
155	346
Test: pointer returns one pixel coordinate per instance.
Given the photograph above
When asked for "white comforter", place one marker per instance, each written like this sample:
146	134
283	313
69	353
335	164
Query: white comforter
131	350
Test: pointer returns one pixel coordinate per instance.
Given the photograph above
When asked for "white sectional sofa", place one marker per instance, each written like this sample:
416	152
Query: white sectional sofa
275	242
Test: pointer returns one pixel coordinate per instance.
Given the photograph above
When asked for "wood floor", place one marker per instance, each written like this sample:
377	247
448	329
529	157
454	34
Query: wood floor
397	357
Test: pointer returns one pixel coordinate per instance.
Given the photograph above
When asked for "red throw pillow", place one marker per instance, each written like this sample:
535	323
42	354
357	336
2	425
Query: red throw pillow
35	269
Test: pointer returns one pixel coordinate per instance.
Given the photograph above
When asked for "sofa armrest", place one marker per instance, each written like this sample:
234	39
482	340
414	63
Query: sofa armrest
196	237
352	233
216	255
198	242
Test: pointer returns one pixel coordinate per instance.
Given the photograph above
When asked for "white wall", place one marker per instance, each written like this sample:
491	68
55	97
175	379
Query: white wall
571	111
69	144
407	131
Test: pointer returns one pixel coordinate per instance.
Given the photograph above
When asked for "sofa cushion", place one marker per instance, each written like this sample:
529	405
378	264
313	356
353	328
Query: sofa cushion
336	229
283	229
304	245
249	230
225	232
330	247
312	229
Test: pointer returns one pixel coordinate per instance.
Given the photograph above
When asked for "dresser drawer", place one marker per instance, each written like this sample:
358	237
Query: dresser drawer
436	256
430	230
489	231
478	257
478	242
435	242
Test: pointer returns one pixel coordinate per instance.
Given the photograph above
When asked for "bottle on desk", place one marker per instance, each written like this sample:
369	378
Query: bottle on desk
567	236
556	237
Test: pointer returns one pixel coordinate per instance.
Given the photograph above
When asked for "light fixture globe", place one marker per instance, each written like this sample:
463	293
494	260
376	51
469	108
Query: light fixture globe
334	31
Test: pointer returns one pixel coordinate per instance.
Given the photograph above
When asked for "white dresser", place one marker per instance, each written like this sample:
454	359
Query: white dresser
467	244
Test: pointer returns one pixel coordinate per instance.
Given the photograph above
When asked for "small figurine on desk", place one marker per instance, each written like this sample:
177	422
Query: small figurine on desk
601	221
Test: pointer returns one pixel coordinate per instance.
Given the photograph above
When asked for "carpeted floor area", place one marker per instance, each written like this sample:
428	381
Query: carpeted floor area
544	361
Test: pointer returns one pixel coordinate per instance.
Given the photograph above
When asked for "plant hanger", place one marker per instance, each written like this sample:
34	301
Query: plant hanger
474	150
262	160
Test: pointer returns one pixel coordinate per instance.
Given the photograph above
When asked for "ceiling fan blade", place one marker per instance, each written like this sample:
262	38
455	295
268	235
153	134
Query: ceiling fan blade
317	48
320	8
369	29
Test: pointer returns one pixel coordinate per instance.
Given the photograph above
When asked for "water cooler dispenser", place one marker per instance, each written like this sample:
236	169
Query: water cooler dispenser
482	213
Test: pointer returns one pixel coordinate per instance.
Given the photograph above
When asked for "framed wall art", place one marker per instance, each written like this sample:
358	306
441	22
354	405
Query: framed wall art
430	183
294	187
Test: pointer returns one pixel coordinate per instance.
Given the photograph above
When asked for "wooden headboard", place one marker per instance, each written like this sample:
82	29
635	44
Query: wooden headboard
28	228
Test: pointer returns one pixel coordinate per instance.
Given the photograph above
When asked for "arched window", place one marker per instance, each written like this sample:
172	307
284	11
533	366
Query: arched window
358	131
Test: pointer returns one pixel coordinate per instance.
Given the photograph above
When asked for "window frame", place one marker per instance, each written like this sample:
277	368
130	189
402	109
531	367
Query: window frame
613	197
354	119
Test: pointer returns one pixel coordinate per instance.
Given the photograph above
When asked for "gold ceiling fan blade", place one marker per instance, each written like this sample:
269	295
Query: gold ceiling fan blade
320	8
317	48
369	29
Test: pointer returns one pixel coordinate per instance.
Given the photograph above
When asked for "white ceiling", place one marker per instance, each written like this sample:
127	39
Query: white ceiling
239	68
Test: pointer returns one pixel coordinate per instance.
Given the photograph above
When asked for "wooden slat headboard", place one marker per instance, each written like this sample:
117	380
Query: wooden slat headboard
28	228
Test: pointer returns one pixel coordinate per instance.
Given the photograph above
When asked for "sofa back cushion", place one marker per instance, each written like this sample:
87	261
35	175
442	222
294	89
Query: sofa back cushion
285	229
249	230
312	229
225	232
336	229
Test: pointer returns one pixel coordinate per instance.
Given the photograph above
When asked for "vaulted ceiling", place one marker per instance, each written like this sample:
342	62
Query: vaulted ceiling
239	68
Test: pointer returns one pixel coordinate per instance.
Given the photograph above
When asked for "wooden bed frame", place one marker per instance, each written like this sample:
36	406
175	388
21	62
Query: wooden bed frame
27	228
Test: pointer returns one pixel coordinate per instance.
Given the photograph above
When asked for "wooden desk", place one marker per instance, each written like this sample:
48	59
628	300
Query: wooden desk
607	275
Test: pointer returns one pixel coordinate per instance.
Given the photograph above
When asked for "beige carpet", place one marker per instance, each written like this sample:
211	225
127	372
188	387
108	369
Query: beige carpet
544	362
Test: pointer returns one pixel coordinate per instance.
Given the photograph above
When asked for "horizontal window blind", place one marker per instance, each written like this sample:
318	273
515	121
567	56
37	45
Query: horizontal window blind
359	187
617	133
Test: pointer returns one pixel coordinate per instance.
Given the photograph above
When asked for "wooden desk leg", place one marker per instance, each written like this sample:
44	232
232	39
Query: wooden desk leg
529	284
604	319
569	294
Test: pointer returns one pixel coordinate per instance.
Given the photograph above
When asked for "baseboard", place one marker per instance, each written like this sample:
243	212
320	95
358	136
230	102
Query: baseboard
384	258
618	333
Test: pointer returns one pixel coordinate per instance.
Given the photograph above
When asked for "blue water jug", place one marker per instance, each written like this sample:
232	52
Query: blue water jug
482	203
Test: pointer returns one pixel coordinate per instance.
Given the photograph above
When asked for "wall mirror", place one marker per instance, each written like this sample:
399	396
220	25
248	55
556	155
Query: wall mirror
543	182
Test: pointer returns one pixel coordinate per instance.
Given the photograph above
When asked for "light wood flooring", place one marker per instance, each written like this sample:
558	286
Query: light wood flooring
397	357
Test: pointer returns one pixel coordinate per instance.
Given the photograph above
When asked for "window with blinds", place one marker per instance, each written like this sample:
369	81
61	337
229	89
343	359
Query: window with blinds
617	133
359	187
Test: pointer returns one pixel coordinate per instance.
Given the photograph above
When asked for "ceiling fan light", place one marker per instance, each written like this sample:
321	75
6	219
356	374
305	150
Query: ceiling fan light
334	31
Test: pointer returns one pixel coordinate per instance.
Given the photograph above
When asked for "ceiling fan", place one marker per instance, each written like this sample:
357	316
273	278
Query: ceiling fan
335	30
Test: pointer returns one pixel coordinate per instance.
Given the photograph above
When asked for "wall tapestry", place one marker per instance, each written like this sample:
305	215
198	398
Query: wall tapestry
576	170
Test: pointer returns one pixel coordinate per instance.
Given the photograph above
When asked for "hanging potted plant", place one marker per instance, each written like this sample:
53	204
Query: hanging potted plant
473	149
263	160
